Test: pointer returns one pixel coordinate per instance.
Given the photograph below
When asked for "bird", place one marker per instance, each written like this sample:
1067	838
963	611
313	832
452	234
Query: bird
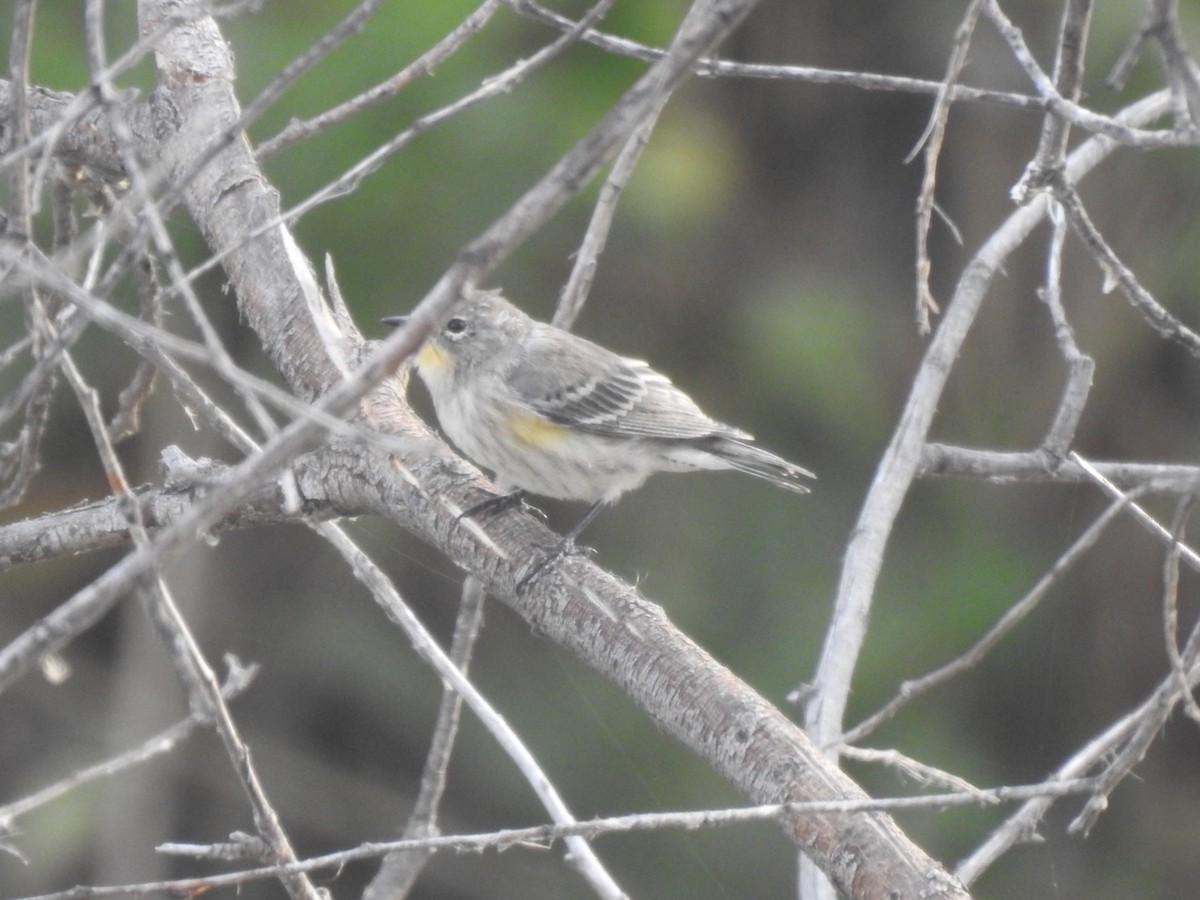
556	415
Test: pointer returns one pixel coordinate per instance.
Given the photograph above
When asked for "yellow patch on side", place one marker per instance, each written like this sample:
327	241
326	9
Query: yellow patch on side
534	431
431	356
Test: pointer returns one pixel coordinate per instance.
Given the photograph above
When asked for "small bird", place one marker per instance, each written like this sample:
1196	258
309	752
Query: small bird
556	415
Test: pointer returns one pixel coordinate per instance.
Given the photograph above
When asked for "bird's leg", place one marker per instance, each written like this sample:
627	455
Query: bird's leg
563	547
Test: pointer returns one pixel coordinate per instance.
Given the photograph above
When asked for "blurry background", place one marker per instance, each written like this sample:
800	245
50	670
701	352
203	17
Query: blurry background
763	257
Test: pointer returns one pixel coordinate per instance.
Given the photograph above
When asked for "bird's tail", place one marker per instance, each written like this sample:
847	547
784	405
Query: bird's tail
745	457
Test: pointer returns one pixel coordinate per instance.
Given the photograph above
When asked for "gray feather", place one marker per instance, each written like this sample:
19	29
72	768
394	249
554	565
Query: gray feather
597	391
752	460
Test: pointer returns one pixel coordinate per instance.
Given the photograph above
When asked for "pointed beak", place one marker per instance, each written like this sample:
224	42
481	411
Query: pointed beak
394	321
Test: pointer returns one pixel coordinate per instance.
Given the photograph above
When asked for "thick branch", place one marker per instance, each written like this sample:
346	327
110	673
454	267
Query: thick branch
104	524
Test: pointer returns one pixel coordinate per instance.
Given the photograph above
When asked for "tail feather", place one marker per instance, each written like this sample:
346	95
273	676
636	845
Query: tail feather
752	460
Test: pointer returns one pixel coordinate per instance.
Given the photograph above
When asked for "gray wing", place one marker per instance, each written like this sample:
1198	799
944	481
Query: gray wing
574	382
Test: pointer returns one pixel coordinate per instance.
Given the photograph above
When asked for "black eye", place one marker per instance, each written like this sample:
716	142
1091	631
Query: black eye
456	325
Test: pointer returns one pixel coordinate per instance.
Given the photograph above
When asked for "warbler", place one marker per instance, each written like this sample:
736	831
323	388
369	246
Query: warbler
557	415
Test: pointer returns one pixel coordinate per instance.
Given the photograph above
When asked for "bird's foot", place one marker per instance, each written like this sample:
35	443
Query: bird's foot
563	548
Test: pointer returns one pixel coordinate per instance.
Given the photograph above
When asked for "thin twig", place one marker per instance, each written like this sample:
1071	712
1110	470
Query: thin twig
1183	75
1118	75
907	767
1080	367
398	871
203	689
1190	556
384	592
579	283
1068	85
21	201
147	340
495	86
238	680
1021	826
1122	132
1117	273
1132	747
197	677
931	140
1070	111
1171	606
902	460
912	689
1040	465
126	421
9	356
1123	744
544	835
302	129
19	458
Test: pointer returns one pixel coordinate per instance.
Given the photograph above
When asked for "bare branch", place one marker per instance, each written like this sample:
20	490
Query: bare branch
127	419
1144	518
1040	465
540	836
1079	116
385	594
1068	85
911	690
1144	728
1171	608
903	458
1069	111
579	283
1183	74
1080	367
19	458
931	139
1116	272
398	871
205	696
236	682
1021	827
298	130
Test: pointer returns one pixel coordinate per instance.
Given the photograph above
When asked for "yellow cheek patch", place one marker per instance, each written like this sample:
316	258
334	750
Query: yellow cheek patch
534	431
431	356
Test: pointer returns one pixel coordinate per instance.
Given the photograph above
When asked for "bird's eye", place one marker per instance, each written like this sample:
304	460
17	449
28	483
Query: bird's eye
456	325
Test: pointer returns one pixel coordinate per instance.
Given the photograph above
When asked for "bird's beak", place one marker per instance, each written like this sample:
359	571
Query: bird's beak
429	356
